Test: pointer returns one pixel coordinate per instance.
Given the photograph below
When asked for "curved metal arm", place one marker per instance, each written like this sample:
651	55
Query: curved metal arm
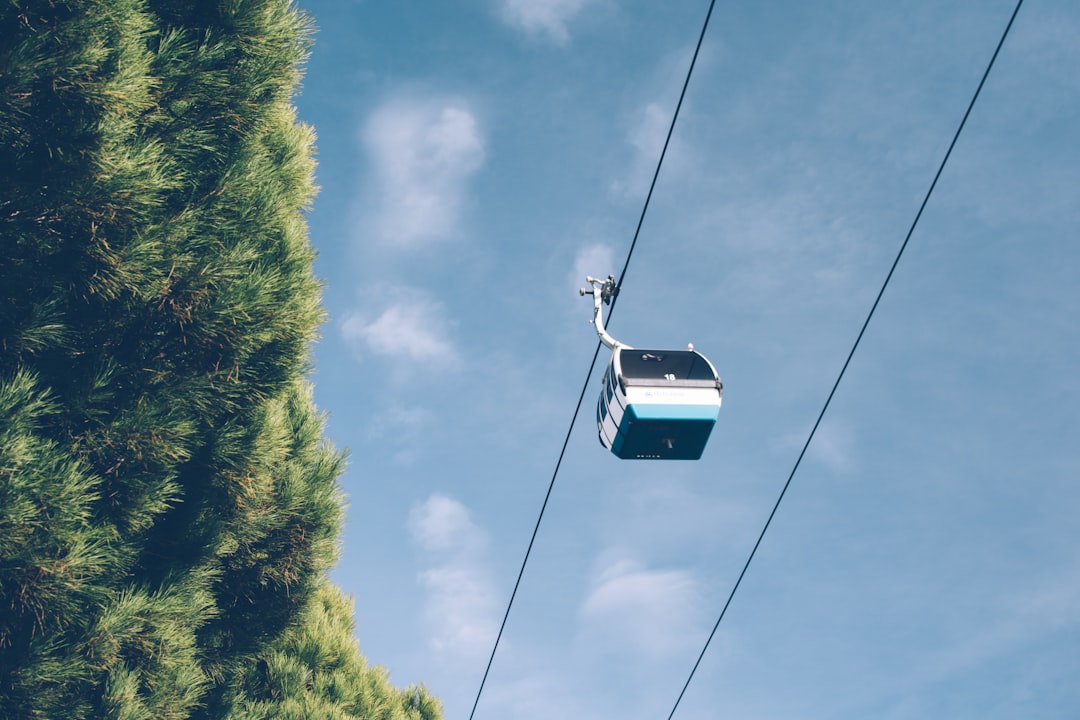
602	292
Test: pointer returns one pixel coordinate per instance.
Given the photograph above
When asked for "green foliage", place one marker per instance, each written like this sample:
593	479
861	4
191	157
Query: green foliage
315	672
168	506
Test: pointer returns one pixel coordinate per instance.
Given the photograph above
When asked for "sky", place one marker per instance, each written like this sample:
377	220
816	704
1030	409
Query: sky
478	158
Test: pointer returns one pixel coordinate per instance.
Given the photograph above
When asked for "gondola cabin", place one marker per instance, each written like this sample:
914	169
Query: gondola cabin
655	404
658	404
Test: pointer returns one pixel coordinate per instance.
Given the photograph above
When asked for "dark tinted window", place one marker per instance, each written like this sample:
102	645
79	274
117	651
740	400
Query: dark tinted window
659	364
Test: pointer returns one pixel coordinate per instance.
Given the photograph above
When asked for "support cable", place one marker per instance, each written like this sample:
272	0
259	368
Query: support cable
843	370
596	354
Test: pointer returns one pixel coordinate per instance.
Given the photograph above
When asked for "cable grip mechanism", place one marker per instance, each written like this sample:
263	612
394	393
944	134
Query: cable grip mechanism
608	289
603	292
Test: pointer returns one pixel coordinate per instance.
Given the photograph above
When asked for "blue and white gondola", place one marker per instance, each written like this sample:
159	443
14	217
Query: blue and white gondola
654	404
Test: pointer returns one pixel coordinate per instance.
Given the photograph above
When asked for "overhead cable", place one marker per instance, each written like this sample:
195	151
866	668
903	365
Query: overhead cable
592	364
858	339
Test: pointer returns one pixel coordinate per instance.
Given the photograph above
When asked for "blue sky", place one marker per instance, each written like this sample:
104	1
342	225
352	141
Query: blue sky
477	158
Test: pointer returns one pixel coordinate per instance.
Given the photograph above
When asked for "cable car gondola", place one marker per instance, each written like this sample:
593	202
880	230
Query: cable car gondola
654	404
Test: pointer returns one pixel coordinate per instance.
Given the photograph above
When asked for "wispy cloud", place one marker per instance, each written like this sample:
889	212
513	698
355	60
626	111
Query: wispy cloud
596	260
461	603
646	137
1037	609
654	611
834	446
424	153
547	18
399	429
540	694
416	328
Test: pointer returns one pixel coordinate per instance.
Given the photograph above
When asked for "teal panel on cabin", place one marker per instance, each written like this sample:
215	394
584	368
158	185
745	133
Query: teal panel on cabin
664	432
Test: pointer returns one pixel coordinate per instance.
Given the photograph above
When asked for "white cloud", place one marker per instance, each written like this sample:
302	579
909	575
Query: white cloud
461	604
596	260
459	610
424	153
542	17
655	611
648	135
833	446
442	524
414	329
646	138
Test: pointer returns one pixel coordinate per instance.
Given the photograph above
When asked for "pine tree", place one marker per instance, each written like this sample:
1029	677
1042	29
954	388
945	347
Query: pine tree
168	507
315	672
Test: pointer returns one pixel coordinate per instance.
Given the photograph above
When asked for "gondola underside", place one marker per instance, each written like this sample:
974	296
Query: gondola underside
659	431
